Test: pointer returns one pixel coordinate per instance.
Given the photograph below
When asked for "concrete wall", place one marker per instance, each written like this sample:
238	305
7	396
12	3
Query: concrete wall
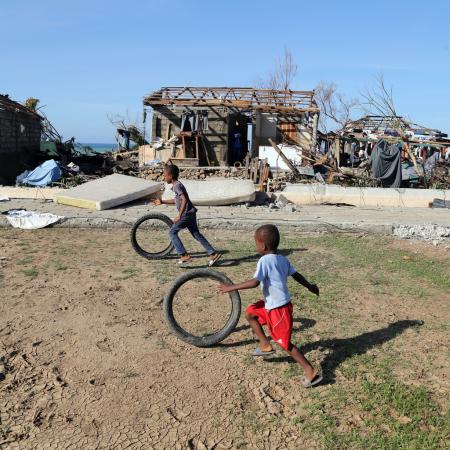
316	194
268	126
20	136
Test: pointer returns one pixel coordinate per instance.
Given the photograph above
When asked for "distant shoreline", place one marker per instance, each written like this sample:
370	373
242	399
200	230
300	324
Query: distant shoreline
100	147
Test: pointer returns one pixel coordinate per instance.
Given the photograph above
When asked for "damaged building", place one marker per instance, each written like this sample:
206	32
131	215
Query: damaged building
396	150
356	140
20	137
220	126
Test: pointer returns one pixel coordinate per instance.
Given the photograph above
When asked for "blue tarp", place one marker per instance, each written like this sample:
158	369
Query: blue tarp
43	175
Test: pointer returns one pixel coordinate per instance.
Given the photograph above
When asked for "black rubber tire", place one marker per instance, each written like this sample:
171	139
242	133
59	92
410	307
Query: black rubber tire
210	339
139	250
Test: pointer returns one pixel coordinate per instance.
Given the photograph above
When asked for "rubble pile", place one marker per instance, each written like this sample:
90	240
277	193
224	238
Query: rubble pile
155	173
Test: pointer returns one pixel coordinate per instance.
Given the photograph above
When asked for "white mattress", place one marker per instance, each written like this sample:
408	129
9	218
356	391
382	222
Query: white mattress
108	192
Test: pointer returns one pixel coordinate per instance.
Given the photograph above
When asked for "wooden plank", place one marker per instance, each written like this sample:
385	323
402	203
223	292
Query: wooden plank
264	174
182	153
202	140
413	159
168	128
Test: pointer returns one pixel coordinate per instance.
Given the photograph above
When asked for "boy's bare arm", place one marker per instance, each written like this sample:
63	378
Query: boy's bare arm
183	204
160	201
304	282
250	284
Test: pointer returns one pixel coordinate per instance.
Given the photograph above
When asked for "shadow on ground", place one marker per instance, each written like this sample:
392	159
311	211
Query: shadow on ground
230	262
342	349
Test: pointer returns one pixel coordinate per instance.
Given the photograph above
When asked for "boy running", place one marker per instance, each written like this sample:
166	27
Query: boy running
275	309
187	218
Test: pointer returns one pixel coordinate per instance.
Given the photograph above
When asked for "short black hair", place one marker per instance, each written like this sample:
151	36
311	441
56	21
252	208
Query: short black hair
173	170
269	235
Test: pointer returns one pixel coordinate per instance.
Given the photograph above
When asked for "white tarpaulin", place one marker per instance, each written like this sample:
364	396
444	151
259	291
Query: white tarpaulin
30	220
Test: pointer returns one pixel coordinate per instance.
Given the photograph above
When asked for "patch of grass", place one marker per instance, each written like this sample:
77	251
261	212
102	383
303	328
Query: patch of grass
32	273
290	372
130	374
391	415
369	252
249	360
129	272
24	261
59	266
252	421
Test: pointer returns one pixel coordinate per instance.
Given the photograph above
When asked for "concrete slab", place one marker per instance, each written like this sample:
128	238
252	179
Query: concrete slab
422	223
216	191
108	192
316	194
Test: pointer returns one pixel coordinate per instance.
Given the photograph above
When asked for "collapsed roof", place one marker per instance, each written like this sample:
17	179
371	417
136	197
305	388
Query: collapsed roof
265	100
382	124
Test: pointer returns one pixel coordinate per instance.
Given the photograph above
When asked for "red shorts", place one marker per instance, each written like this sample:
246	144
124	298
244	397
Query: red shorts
278	321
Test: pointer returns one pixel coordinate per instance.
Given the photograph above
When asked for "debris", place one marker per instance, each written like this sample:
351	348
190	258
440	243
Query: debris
30	220
107	192
439	203
4	198
289	208
413	155
73	167
435	233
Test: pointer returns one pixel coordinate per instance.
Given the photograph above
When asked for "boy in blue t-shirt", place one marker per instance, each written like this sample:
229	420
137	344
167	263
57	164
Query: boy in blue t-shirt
275	309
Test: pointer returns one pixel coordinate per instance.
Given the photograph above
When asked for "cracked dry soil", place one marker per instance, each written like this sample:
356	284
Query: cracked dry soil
86	360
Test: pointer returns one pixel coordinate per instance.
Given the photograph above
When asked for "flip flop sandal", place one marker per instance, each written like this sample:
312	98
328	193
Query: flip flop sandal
211	262
183	261
314	382
259	352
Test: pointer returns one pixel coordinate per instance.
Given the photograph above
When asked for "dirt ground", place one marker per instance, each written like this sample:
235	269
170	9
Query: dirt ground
86	360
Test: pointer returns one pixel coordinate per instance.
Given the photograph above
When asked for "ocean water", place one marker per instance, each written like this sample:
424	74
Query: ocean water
101	148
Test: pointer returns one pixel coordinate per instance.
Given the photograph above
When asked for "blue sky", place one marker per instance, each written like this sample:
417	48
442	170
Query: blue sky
87	59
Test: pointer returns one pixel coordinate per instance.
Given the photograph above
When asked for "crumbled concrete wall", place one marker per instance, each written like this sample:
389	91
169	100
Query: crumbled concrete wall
20	136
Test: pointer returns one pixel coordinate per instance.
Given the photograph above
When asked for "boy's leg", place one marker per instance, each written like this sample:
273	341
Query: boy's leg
298	356
173	233
255	314
280	327
193	228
